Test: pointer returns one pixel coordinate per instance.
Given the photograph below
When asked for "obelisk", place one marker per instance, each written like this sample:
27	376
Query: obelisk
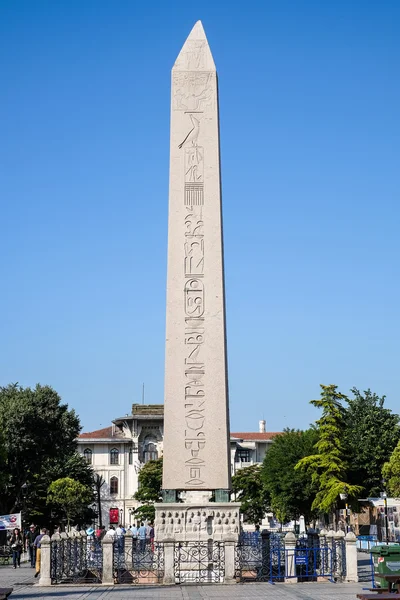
196	422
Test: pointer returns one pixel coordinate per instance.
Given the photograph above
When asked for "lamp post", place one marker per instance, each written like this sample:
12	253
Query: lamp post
93	507
384	496
24	492
344	497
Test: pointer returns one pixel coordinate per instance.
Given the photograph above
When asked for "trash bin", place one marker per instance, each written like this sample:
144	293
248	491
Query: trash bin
386	560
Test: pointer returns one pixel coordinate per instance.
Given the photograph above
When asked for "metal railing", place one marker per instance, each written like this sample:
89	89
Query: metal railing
77	559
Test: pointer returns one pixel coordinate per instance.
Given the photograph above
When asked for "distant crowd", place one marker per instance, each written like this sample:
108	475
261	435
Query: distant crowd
141	534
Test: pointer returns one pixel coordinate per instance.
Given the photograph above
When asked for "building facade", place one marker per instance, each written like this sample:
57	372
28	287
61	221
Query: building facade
117	453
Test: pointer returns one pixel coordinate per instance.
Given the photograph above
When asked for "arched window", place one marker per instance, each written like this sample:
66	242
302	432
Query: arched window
130	456
87	455
114	456
150	452
114	485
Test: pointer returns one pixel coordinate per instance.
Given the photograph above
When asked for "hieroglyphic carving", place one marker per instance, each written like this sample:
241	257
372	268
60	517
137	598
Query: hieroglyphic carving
193	91
194	256
194	165
193	133
194	299
194	194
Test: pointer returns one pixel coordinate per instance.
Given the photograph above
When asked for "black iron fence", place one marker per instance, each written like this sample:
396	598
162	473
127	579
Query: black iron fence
75	560
270	558
267	559
199	562
138	561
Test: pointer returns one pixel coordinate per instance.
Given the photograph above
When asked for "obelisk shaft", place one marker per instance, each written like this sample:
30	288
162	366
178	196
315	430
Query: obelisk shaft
196	434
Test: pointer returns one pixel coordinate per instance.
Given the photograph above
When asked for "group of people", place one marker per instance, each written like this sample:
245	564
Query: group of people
144	534
30	541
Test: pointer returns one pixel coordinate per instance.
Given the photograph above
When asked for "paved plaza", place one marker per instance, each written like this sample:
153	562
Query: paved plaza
22	581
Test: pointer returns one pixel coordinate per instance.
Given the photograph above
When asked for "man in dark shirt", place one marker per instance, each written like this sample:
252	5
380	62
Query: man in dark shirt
29	540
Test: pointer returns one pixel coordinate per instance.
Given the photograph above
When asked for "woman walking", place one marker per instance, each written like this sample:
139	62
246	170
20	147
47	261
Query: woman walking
16	544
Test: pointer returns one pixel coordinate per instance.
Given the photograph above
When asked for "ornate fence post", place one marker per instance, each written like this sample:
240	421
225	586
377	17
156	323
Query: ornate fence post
324	552
330	558
290	558
351	557
329	538
108	560
169	571
45	561
127	542
229	561
265	554
339	554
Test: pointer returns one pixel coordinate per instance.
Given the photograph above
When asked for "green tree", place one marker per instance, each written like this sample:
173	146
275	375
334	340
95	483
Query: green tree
146	512
72	497
292	491
371	434
391	472
40	446
248	486
327	466
150	486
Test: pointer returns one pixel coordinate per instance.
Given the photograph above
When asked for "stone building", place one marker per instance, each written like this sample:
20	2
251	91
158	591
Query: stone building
118	452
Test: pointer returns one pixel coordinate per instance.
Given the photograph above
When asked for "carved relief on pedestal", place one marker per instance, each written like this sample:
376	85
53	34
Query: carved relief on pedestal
196	522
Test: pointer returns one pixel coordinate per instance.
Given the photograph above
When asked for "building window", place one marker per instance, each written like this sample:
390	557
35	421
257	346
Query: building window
87	455
150	452
114	485
242	455
114	456
130	456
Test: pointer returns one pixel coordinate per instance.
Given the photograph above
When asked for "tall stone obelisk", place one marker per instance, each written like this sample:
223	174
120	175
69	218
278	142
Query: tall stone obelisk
196	422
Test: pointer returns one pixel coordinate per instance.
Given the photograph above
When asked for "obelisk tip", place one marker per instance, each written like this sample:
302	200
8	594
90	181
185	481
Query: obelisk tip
195	54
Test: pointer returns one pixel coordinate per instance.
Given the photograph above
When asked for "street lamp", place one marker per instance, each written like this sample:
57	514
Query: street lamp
383	495
344	497
24	492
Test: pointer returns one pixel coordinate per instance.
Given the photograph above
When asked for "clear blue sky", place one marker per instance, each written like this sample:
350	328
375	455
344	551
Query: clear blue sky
310	134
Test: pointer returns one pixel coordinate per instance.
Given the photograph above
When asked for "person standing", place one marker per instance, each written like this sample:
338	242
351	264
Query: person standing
152	535
142	537
37	545
16	543
111	531
134	531
30	548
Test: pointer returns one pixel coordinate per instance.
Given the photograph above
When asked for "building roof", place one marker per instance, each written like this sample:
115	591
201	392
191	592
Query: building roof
255	436
147	409
104	433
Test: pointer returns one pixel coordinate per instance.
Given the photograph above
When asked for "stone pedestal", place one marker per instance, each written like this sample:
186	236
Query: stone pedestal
230	561
351	558
197	522
290	558
108	563
169	573
45	561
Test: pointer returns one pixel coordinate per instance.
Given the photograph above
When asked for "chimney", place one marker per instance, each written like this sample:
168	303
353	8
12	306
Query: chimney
261	426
